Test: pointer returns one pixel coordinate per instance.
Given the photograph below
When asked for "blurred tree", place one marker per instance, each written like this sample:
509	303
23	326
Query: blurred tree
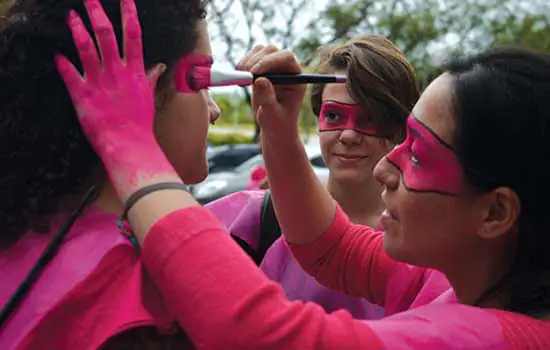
429	31
4	5
240	24
234	109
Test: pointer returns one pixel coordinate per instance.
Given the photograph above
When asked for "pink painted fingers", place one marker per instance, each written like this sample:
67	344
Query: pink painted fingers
114	98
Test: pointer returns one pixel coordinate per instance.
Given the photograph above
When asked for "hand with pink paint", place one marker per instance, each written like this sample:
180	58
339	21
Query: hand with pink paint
114	98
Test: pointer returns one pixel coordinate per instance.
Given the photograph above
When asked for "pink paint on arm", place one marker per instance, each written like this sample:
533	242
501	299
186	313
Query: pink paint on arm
114	99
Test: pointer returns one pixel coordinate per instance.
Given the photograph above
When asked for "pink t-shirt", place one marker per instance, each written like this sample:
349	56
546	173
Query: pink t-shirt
94	288
240	214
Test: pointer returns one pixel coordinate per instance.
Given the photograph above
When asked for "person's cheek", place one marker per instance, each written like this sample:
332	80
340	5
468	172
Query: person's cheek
184	67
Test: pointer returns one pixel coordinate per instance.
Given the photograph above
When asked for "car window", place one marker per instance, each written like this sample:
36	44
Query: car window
231	158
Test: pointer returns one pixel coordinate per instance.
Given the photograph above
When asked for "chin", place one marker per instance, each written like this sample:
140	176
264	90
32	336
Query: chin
350	175
393	245
400	251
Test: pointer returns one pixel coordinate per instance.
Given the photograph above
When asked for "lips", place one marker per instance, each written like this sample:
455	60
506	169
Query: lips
388	212
349	156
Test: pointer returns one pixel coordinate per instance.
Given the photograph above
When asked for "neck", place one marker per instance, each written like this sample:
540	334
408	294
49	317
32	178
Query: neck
480	278
361	201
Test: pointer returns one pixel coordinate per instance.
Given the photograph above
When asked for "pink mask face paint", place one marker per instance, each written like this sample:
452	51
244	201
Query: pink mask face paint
184	66
341	116
427	163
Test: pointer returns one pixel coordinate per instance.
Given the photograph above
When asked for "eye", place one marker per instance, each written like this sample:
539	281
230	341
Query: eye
331	116
415	160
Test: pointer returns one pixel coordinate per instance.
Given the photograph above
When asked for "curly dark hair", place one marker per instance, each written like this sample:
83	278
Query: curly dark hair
45	157
502	138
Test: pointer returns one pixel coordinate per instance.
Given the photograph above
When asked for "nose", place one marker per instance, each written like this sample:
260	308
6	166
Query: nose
213	109
350	137
387	174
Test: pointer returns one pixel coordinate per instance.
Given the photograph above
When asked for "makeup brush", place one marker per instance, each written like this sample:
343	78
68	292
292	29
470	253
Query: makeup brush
205	77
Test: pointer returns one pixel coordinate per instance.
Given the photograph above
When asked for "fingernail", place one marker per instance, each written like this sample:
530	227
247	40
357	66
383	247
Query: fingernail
160	69
261	83
256	68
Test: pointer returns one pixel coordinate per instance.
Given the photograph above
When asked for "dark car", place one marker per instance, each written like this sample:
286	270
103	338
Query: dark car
228	157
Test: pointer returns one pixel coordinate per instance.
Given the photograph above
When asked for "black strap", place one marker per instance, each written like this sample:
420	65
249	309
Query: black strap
269	231
247	249
48	254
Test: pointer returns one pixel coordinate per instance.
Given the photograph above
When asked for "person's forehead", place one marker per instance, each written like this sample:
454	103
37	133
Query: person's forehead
203	39
434	108
337	92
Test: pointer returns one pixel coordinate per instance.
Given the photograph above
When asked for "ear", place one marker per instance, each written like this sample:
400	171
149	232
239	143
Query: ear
388	144
501	213
154	74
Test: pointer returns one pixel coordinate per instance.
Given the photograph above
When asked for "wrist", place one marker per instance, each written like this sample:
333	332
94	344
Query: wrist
133	165
279	141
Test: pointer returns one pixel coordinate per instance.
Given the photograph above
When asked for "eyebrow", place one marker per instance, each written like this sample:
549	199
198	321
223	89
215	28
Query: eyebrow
339	103
433	133
415	131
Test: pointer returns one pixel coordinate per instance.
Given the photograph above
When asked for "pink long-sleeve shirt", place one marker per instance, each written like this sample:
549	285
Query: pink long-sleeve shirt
224	302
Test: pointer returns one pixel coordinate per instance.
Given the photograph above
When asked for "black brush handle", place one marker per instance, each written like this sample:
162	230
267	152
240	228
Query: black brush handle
285	78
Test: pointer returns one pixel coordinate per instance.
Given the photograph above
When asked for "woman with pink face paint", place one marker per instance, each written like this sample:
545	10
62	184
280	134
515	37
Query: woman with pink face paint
454	203
354	133
47	165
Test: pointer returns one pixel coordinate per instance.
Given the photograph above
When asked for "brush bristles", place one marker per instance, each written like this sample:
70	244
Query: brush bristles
199	78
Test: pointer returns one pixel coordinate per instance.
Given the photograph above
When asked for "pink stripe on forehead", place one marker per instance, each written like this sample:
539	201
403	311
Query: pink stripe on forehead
183	67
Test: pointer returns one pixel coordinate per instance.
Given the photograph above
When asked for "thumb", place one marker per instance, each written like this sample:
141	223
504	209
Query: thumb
264	95
154	74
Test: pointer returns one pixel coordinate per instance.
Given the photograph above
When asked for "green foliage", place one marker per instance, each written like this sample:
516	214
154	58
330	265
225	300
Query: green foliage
4	4
235	109
430	31
218	139
427	31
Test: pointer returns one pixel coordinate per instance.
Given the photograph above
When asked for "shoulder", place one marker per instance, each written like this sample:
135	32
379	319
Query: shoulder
523	332
240	214
441	326
116	297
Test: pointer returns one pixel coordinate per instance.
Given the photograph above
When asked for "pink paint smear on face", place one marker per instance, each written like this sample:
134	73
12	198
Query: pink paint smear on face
341	116
184	67
426	162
